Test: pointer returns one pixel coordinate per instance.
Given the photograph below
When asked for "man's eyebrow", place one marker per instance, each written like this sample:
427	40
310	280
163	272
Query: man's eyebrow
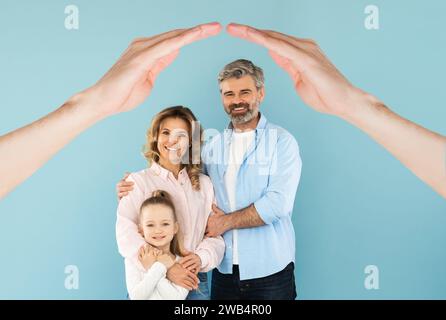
226	92
246	90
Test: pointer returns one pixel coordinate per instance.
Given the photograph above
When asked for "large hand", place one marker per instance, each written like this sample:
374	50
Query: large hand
122	88
129	82
315	78
325	89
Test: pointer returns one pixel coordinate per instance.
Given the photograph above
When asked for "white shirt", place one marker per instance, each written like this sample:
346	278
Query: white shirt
151	284
239	145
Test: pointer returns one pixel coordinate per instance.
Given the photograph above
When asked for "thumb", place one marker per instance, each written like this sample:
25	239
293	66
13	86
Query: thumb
285	64
161	64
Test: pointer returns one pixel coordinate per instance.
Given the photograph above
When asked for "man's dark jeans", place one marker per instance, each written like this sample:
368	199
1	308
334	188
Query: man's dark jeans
278	286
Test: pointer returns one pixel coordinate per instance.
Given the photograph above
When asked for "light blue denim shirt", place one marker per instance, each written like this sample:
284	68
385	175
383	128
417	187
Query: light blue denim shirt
268	177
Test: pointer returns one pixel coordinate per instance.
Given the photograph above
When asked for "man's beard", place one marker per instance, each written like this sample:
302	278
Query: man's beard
251	112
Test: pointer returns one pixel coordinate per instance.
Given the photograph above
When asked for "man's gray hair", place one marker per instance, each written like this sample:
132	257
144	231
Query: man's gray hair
240	68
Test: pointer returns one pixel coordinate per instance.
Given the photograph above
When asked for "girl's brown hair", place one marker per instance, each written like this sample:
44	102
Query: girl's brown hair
193	163
163	198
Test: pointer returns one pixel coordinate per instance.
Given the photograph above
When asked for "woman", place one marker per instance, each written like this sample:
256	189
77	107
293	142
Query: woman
174	166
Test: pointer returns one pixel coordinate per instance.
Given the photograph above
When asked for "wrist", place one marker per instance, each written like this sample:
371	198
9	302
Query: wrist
87	105
227	221
360	105
200	260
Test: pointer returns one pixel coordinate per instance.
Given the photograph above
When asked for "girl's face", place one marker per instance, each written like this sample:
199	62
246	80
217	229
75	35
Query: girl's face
173	140
158	225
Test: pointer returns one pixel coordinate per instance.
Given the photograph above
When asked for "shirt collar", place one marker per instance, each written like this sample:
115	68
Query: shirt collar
261	125
163	172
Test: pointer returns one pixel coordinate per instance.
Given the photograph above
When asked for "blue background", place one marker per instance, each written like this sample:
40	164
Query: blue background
356	205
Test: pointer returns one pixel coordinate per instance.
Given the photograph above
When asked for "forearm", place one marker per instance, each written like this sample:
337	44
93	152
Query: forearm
243	218
144	288
419	149
26	149
168	291
211	251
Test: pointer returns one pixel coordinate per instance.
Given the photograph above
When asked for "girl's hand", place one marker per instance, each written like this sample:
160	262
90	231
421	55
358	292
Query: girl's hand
147	256
166	260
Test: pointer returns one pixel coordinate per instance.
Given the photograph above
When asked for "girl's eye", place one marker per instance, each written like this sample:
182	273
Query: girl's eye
150	225
165	132
166	224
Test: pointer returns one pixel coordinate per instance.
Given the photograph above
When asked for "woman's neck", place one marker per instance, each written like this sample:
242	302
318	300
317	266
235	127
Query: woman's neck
174	168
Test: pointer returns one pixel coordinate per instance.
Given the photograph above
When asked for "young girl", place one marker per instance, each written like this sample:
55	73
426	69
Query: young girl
159	226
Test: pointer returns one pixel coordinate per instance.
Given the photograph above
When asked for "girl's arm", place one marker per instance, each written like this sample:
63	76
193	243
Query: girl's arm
142	287
169	291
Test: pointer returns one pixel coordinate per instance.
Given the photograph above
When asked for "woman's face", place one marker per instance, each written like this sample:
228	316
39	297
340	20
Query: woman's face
173	140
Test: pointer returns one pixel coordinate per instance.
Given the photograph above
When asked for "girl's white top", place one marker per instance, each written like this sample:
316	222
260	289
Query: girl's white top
151	284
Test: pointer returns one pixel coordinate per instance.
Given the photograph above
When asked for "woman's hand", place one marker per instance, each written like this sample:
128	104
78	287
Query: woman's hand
124	187
191	262
182	277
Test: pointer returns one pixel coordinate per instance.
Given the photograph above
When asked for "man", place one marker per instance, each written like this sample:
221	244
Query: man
255	168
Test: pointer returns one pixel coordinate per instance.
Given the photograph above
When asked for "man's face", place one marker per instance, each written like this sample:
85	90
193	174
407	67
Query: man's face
241	99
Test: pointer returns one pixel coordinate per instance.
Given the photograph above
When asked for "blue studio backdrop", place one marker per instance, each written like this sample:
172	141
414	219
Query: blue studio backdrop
357	211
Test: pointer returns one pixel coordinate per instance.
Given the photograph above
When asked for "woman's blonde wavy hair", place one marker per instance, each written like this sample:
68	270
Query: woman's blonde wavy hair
193	163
